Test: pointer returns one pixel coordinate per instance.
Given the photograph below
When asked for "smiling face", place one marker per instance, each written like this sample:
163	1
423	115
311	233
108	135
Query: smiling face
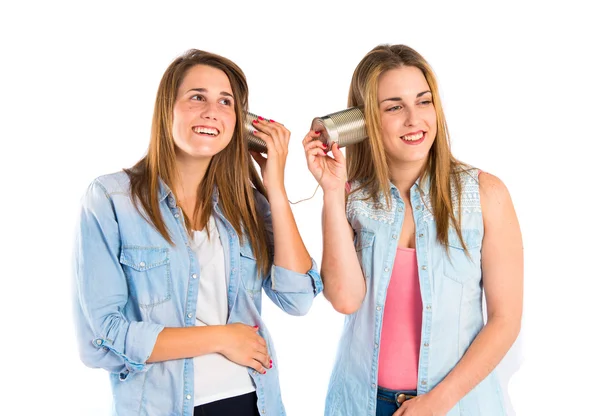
203	114
408	117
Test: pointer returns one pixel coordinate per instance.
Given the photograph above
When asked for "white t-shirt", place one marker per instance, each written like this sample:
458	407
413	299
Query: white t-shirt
215	377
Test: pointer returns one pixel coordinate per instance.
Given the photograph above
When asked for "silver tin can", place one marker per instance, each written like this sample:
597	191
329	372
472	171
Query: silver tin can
344	127
254	143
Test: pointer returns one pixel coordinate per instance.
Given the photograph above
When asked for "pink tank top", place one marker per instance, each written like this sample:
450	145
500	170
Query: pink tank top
401	328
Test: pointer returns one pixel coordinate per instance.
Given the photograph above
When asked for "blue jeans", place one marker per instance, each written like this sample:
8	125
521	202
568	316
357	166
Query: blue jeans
244	405
387	400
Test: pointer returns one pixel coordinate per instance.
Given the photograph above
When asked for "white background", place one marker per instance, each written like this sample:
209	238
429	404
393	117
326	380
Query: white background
520	87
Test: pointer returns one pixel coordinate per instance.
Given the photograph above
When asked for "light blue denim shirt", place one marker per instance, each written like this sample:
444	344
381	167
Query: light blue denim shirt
130	284
451	293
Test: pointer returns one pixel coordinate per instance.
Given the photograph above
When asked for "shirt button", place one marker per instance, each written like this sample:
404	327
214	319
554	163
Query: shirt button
176	215
373	385
428	307
394	236
189	396
418	207
142	264
194	276
98	342
376	345
379	308
386	269
426	344
424	267
423	383
400	209
421	235
190	315
255	372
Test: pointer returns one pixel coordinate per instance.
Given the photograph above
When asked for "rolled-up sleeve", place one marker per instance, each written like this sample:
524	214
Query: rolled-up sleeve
106	339
293	292
284	280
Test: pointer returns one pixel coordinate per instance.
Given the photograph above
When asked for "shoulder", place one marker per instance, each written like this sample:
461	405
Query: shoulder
492	189
114	183
496	203
101	190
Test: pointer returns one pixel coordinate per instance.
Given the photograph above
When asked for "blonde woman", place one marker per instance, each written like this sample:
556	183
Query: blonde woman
173	254
412	239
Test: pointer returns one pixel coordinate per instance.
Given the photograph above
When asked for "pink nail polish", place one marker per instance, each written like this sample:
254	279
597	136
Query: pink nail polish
260	118
271	121
254	121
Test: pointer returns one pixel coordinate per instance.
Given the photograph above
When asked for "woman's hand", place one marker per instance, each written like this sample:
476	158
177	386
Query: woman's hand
422	405
242	345
272	167
330	172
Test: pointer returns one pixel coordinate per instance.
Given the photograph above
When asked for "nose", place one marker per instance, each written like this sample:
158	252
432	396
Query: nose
209	111
411	117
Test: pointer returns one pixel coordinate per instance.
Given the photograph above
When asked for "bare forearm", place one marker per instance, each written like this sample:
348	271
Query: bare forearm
290	252
176	343
484	354
343	280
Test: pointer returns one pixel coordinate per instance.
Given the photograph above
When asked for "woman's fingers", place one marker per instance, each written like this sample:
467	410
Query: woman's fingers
337	154
311	136
279	135
264	359
314	144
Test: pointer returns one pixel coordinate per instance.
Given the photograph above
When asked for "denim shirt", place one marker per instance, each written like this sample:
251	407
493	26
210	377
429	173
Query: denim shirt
451	293
130	283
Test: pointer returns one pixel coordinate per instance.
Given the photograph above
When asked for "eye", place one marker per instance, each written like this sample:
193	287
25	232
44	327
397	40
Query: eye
425	102
225	101
394	108
197	97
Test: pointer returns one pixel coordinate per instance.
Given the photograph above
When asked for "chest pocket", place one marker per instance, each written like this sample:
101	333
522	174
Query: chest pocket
459	265
148	273
251	279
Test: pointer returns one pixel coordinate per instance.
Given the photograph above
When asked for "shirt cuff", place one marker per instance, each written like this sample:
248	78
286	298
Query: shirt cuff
288	281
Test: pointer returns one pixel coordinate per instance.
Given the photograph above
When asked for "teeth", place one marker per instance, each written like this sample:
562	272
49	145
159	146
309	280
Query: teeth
412	137
205	130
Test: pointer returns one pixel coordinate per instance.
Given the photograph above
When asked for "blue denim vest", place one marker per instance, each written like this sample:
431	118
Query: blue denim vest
130	284
451	292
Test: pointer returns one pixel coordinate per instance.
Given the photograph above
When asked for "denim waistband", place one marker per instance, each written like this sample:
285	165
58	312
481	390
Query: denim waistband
392	395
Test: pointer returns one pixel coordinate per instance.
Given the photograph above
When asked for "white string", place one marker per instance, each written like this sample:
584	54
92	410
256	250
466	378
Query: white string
305	199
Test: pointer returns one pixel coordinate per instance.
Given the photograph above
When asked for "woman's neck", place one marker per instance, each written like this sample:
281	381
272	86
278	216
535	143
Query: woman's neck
404	174
190	173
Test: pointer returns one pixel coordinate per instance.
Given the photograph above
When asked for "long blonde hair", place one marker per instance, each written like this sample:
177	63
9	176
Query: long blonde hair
231	171
367	161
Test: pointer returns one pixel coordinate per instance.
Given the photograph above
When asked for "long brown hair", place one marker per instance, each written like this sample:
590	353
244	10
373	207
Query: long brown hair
367	161
231	171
